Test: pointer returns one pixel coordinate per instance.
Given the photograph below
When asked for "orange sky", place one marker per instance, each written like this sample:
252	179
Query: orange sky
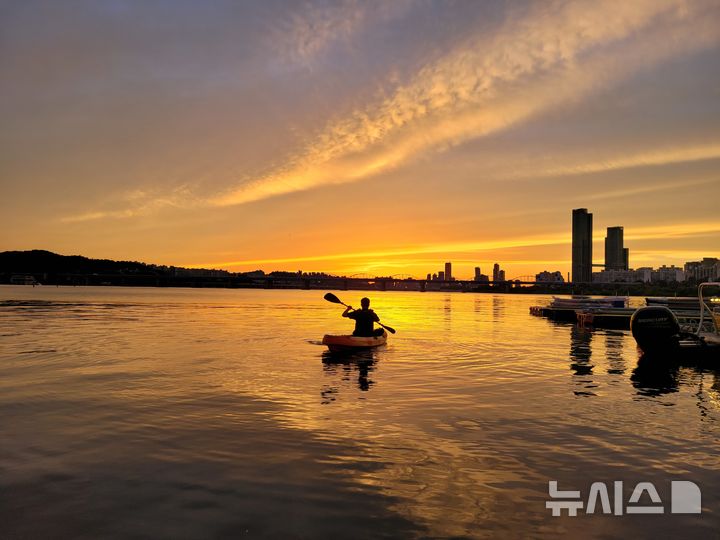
360	137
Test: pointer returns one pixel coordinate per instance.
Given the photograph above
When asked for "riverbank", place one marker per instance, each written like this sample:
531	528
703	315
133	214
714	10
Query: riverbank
345	284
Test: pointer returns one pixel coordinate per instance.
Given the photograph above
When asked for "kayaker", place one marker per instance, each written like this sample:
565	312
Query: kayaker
364	318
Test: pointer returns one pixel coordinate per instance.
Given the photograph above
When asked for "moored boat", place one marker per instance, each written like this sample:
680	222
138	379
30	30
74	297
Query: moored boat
659	333
566	309
346	343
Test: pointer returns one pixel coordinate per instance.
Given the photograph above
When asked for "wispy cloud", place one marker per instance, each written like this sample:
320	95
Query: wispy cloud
659	157
139	203
550	56
451	247
312	29
673	230
630	191
668	230
556	54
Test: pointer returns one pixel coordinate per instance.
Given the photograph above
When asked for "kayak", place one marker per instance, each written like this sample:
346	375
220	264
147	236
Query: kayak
352	343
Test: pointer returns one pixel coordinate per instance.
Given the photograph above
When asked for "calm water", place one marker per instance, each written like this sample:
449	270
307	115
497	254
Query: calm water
178	413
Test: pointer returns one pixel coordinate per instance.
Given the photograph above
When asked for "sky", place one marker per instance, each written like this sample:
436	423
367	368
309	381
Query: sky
359	137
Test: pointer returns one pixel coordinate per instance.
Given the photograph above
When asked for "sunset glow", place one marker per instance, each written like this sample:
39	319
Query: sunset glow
360	137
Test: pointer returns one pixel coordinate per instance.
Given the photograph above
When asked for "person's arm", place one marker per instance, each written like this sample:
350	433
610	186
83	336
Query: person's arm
347	311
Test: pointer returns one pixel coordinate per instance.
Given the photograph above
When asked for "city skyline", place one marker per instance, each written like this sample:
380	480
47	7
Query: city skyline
358	137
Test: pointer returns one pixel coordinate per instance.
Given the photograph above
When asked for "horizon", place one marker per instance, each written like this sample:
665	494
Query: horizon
434	273
350	137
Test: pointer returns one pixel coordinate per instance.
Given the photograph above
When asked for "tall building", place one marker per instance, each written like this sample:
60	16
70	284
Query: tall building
496	272
479	276
441	276
448	271
581	246
616	255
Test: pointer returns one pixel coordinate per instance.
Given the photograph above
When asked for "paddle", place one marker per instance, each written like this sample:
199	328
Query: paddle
330	297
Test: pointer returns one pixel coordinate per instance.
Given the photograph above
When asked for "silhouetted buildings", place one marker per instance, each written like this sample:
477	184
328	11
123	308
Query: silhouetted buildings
498	273
699	271
442	275
550	277
448	271
706	270
667	274
479	276
616	254
582	224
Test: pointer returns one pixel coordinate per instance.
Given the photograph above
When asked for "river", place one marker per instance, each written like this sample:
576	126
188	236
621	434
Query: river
212	413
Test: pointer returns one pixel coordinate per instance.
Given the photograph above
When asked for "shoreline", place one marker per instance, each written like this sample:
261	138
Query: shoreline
340	284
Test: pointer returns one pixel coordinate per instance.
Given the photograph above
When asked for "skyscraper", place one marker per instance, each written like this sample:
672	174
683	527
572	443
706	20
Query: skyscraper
496	272
615	252
581	246
448	271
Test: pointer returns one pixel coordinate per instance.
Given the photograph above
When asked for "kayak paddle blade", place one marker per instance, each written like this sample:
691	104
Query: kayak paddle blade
330	297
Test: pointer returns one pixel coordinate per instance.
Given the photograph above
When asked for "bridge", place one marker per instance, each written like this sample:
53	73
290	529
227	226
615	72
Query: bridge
400	282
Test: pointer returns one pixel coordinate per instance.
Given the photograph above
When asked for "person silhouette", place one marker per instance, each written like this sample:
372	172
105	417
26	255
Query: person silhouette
364	318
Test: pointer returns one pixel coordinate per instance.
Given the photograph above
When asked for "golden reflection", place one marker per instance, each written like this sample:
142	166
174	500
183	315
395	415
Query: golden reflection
422	473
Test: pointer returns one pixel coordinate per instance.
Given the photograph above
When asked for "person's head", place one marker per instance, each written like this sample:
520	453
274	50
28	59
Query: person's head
365	303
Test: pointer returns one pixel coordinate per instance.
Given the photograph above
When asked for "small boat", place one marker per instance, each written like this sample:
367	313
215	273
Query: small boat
566	309
658	331
601	317
353	343
676	303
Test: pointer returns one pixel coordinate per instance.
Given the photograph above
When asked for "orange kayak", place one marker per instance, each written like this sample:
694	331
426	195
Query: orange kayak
351	343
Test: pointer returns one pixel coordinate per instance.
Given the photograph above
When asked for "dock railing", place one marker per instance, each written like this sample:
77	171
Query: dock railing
713	314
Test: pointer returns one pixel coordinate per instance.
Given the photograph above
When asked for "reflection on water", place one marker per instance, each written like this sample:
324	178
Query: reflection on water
580	353
498	305
340	368
654	377
214	413
614	346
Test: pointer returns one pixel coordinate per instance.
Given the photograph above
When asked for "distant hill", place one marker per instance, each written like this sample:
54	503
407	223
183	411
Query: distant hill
38	261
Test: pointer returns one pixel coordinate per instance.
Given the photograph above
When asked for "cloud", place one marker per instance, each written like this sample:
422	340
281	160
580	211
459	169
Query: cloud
140	203
643	190
555	54
673	230
663	232
313	29
451	247
552	55
667	156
